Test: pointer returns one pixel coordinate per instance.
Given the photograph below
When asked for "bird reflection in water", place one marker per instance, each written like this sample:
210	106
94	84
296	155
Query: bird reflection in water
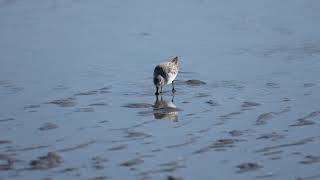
163	109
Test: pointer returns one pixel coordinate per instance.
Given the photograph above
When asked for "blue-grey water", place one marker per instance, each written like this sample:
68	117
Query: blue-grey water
76	80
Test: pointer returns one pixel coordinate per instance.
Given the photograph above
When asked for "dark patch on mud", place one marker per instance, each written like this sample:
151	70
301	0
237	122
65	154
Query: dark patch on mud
249	104
219	145
104	121
174	178
48	126
263	118
67	102
273	85
273	136
68	169
310	159
165	167
6	166
192	140
222	143
85	109
156	150
200	131
61	87
171	163
6	119
312	115
80	146
316	176
99	178
33	147
103	90
246	167
140	34
271	153
235	133
140	124
5	141
297	143
212	103
31	107
308	85
286	99
138	105
303	122
9	87
6	162
51	160
89	127
86	93
308	93
99	104
230	115
195	82
132	162
306	119
98	162
119	147
134	134
275	158
271	175
200	95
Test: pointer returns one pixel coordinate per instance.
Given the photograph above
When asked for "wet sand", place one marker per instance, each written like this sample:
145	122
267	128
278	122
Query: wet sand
77	99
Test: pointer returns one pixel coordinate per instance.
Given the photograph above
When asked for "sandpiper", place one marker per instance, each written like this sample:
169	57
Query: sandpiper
165	73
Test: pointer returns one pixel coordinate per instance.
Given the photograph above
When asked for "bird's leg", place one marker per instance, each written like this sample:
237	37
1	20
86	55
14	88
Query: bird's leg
173	90
157	91
161	90
172	98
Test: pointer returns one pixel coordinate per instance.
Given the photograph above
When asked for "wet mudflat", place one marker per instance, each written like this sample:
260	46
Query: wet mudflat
77	100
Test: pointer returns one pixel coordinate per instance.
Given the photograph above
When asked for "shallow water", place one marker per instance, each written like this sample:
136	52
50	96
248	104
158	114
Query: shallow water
76	80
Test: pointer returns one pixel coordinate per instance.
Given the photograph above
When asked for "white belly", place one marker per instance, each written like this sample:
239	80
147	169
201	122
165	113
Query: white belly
171	77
